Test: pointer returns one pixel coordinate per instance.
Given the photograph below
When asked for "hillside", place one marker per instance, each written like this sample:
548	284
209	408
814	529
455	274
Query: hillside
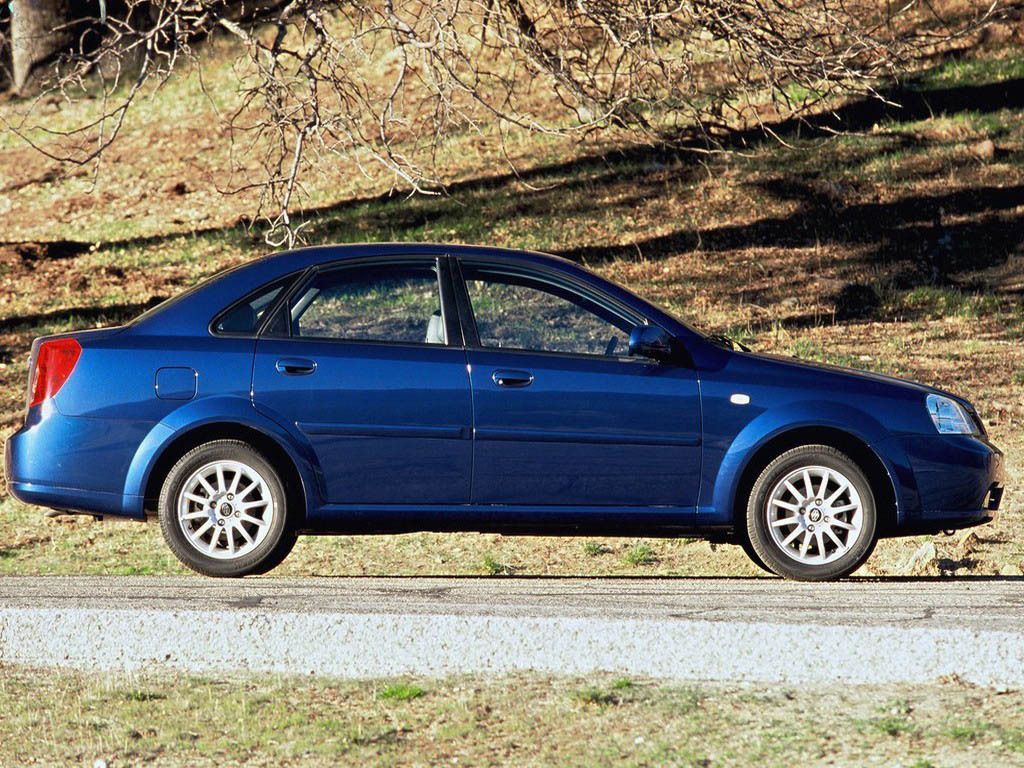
895	247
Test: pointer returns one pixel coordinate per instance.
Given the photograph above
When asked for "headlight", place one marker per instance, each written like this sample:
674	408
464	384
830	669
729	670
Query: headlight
949	416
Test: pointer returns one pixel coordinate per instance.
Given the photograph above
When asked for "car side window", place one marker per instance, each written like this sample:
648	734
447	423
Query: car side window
398	303
244	318
514	311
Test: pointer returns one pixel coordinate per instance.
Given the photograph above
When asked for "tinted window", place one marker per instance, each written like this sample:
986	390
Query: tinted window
394	302
245	317
519	312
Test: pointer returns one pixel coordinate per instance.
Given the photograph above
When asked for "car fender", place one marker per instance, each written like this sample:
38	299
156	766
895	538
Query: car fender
775	422
198	413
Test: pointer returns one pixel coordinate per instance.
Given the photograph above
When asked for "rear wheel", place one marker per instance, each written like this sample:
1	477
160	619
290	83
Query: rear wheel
223	511
811	515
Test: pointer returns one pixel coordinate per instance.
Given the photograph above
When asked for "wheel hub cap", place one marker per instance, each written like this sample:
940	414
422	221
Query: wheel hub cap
815	515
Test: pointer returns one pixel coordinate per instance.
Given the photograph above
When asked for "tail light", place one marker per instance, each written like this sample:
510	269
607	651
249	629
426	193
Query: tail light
54	362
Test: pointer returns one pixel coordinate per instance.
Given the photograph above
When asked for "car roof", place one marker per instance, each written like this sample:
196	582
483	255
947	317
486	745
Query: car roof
300	258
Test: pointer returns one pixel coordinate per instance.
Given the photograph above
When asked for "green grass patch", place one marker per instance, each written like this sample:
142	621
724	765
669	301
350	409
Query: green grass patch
401	692
971	730
934	302
493	567
593	695
965	71
137	695
65	718
594	548
640	554
892	725
808	349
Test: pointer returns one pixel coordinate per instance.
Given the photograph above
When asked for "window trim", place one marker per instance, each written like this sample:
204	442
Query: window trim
439	262
541	275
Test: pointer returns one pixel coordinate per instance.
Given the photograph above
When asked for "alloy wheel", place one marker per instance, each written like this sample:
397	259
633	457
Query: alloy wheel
225	509
815	515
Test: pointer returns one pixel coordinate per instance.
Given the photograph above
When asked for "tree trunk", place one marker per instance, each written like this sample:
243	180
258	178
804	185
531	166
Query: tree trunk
40	31
5	46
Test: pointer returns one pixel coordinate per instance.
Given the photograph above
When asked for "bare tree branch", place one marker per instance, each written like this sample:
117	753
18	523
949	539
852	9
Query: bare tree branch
656	70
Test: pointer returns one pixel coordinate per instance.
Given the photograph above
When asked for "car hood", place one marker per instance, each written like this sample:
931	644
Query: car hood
879	378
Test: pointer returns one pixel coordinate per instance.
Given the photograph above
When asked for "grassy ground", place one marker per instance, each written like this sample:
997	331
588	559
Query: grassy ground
894	248
73	719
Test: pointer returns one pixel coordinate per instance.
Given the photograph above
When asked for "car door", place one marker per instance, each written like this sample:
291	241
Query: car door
358	360
563	416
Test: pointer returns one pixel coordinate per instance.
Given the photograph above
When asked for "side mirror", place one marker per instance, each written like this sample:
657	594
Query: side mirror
651	341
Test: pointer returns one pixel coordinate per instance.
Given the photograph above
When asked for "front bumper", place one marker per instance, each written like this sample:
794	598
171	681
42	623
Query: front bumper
959	478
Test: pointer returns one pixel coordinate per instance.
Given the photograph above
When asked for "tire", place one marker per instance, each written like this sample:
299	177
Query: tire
817	536
750	552
228	490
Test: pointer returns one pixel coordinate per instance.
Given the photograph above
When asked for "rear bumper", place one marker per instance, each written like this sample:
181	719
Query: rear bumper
938	522
68	499
71	464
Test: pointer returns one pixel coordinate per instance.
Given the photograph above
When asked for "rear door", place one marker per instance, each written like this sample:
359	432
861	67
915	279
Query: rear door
563	416
360	361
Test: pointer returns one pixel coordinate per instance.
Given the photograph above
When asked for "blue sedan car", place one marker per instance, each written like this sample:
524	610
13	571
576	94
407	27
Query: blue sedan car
392	388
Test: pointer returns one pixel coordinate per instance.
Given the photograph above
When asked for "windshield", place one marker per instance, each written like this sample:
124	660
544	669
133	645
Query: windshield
719	339
726	342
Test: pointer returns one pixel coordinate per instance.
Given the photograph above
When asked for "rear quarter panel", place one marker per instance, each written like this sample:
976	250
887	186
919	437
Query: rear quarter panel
114	404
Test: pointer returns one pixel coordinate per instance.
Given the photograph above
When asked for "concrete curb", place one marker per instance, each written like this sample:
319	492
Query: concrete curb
363	645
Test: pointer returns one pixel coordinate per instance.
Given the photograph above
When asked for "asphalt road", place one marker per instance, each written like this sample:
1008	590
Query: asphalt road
716	629
982	604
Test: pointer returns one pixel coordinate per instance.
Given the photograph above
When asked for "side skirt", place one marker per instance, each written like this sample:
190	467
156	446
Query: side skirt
665	522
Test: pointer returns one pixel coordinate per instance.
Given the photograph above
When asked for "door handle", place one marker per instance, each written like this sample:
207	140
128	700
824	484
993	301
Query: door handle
512	378
295	366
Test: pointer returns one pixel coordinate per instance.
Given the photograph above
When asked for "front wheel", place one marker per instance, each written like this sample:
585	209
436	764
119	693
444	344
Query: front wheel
223	511
811	515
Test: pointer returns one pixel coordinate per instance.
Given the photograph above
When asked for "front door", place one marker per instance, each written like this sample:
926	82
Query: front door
563	416
359	361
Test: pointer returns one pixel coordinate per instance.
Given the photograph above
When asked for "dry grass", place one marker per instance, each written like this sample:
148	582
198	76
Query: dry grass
74	719
895	249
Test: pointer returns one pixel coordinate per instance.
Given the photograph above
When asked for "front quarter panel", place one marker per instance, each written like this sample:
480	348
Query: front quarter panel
783	399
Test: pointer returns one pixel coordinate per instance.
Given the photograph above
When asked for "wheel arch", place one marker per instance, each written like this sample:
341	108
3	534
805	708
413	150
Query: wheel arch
279	458
883	485
230	418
